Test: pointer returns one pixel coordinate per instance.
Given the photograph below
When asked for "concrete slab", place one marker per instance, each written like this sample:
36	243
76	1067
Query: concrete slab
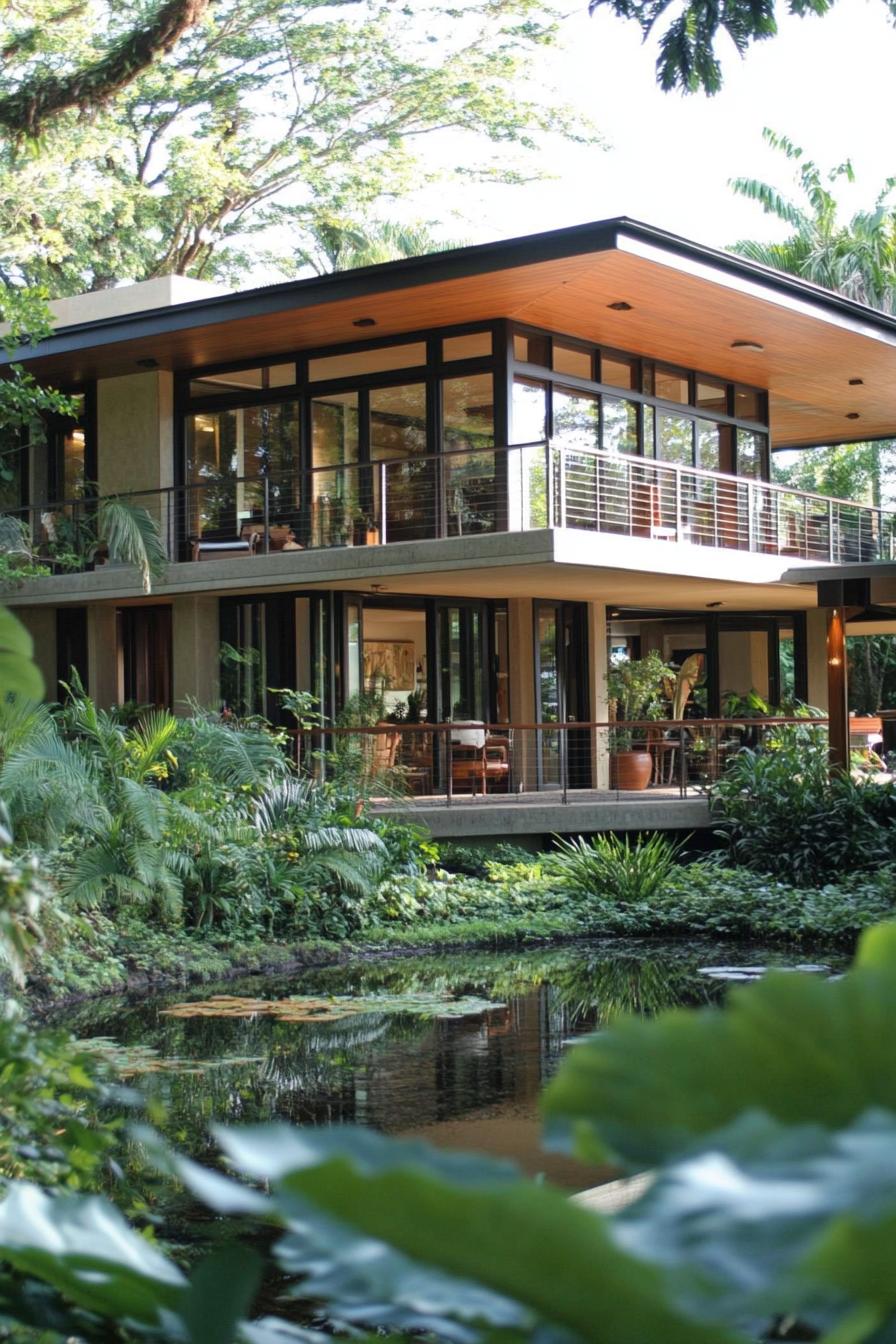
544	814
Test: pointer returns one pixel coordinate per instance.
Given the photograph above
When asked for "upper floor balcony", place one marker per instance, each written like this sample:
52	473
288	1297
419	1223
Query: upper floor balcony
468	494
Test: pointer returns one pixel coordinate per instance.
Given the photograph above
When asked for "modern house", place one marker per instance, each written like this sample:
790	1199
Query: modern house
462	480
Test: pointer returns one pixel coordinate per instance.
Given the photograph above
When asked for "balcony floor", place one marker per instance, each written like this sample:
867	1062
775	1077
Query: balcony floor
512	816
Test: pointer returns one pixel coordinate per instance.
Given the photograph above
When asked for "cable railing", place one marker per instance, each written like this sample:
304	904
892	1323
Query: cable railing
443	764
472	491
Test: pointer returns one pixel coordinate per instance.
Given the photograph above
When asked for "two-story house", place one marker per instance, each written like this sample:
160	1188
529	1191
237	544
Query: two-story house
466	478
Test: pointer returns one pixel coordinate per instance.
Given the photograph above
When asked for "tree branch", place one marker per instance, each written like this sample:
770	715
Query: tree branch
30	107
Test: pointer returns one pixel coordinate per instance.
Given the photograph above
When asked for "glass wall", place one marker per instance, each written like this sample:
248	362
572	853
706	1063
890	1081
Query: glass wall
229	455
473	493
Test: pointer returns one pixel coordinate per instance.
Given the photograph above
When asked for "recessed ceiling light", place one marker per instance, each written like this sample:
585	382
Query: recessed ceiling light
852	415
377	587
857	382
620	306
364	322
713	604
747	345
147	363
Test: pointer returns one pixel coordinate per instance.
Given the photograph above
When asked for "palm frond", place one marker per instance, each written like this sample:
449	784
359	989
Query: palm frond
351	839
344	869
152	735
132	536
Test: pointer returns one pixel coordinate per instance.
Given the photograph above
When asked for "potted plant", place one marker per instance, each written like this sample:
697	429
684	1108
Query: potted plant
634	687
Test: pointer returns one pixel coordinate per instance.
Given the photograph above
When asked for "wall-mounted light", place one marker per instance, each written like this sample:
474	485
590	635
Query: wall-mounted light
748	345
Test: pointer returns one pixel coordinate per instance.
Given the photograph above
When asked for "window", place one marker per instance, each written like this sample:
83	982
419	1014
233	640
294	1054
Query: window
468	422
572	359
338	484
243	380
620	426
529	411
751	454
618	370
711	396
671	384
474	346
380	359
532	349
576	418
230	454
397	437
675	439
748	403
709	455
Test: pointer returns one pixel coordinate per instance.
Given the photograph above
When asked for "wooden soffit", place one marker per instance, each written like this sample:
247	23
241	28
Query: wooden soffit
824	360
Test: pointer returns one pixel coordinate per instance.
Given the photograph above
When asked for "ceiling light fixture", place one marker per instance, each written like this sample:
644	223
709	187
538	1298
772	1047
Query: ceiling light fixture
147	363
377	587
364	322
857	382
748	345
852	415
620	306
713	604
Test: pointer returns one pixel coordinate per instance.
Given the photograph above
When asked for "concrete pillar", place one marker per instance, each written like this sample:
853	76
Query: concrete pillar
40	622
105	665
597	662
195	641
135	439
816	658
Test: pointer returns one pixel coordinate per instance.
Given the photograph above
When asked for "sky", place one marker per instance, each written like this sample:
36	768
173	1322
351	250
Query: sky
826	82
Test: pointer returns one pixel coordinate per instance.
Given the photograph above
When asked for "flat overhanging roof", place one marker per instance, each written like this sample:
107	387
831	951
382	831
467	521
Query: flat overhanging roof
689	303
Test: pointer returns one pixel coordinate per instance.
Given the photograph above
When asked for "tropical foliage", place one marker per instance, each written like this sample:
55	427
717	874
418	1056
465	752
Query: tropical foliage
688	56
783	812
616	867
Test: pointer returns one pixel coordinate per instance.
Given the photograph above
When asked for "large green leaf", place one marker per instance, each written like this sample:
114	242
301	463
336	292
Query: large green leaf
776	1220
802	1049
84	1248
18	674
464	1217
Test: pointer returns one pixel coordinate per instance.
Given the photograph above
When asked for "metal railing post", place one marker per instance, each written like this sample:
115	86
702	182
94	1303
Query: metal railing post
679	521
549	483
383	537
267	515
561	459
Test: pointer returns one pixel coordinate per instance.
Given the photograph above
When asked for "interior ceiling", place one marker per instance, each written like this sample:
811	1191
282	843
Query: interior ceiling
809	357
584	583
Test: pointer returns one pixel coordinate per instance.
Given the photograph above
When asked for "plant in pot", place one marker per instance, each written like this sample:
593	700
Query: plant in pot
635	688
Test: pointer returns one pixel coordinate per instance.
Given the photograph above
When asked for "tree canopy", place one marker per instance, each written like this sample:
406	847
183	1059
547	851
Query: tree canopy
266	115
688	57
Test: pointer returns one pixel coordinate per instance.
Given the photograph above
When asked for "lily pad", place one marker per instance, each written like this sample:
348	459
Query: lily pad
335	1009
129	1061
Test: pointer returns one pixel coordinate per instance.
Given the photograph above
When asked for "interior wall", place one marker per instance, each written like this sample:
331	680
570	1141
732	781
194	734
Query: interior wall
397	626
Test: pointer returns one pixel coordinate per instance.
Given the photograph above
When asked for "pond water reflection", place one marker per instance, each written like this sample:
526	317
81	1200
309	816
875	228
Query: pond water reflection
470	1081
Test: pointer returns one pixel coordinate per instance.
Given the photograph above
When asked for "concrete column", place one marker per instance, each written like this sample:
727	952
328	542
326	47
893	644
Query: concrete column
195	641
597	662
522	688
816	658
105	666
135	438
40	622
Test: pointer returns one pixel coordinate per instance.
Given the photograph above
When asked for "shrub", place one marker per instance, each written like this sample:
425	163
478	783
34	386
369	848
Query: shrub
615	868
782	812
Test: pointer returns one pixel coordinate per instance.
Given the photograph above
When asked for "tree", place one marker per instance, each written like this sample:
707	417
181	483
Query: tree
687	57
37	93
341	245
857	259
267	115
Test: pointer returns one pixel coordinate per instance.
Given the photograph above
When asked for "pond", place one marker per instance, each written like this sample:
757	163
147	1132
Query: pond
453	1048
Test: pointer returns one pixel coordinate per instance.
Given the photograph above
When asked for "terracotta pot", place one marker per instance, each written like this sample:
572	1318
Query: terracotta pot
632	769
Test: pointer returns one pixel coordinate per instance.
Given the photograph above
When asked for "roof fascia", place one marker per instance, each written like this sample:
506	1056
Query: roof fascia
624	234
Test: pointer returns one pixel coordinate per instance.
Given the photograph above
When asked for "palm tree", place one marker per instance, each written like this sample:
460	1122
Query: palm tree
344	245
857	259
